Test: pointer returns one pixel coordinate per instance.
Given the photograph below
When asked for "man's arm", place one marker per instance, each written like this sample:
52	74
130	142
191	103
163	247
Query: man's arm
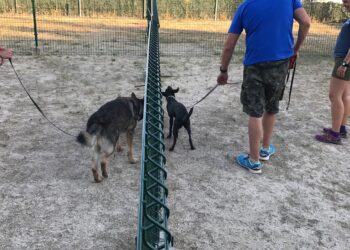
226	56
304	21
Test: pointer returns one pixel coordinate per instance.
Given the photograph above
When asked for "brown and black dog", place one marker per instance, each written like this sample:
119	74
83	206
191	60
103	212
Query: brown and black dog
104	127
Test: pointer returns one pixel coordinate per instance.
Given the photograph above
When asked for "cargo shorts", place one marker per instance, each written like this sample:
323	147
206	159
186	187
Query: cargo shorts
337	62
262	87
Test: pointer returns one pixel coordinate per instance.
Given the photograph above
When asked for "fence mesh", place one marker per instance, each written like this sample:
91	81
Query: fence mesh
119	27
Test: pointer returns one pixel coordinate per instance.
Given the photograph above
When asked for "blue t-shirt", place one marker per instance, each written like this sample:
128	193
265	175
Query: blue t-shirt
343	41
268	25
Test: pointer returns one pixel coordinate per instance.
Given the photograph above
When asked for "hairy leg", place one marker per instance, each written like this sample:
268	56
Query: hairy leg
130	135
97	177
255	133
104	164
268	123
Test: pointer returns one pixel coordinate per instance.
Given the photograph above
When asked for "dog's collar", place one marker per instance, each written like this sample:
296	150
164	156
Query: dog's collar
171	96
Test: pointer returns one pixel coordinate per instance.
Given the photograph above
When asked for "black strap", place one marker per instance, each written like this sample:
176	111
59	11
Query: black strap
205	96
35	104
291	83
210	91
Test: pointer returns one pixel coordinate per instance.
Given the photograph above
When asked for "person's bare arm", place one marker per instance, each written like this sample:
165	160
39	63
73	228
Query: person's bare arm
226	56
304	21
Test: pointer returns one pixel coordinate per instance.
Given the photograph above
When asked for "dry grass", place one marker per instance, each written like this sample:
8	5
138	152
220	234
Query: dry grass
53	27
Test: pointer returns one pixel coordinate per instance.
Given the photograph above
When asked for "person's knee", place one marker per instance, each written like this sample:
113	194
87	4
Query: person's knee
333	97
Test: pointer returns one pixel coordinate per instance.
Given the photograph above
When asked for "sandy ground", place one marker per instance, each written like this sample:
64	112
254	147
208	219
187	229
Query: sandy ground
48	199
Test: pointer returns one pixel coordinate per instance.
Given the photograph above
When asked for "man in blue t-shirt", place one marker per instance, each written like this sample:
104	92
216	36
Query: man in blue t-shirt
268	26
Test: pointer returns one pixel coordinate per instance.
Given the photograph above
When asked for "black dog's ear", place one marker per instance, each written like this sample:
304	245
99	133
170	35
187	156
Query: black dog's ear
133	95
176	90
164	93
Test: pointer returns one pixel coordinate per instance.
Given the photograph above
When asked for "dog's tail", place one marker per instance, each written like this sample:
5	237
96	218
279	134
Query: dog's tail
84	138
188	115
88	137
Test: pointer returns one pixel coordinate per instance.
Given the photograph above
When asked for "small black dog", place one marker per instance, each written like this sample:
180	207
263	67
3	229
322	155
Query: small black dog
179	112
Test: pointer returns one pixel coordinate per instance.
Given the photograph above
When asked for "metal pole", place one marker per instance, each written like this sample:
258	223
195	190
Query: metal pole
144	8
15	5
35	27
216	9
79	8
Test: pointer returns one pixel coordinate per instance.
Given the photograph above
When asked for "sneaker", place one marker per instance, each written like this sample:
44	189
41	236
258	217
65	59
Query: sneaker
265	155
343	134
328	138
243	161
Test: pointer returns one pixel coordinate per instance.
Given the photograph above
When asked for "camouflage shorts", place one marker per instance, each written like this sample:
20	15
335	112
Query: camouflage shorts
263	84
337	62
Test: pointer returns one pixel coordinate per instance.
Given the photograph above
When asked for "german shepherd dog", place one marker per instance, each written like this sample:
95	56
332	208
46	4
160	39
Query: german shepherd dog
178	111
104	127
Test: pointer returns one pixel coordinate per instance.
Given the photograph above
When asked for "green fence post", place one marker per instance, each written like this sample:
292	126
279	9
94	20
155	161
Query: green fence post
35	27
67	9
79	8
15	5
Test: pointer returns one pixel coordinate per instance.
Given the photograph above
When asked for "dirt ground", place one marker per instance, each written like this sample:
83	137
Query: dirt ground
48	199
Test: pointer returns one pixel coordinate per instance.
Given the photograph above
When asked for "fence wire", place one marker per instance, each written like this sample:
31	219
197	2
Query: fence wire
111	27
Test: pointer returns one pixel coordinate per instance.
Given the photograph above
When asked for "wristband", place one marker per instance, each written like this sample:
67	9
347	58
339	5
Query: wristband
344	64
223	70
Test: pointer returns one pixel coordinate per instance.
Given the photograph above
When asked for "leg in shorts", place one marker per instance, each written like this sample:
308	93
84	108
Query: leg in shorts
263	84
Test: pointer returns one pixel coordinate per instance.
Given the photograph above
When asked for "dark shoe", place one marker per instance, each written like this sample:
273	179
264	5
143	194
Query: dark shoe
328	138
342	133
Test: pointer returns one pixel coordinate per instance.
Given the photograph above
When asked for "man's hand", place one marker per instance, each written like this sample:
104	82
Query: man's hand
222	78
292	61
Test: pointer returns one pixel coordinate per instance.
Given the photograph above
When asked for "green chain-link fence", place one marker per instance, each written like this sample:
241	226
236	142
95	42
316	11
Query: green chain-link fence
119	27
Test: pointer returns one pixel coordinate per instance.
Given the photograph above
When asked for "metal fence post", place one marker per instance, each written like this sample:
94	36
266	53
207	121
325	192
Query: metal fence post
216	9
67	9
15	5
35	27
79	8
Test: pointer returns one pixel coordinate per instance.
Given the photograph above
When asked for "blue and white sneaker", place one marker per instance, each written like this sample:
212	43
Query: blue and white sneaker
243	161
265	155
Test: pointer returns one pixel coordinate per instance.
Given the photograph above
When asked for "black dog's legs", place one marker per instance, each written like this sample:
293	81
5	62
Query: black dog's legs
175	133
188	128
171	121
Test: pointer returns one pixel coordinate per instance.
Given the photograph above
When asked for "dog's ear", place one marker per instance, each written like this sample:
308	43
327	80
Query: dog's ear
176	90
164	93
133	95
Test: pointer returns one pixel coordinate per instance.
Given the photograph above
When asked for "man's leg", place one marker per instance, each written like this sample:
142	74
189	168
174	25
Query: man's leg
268	123
255	131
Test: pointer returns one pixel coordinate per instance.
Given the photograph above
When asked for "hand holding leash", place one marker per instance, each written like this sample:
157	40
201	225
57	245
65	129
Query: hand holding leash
5	54
292	61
